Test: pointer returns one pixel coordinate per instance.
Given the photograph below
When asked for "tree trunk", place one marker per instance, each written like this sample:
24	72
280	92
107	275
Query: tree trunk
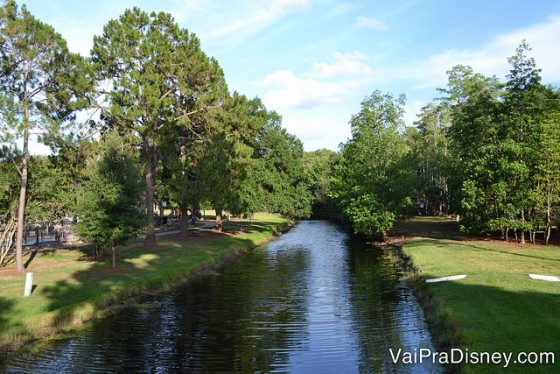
184	220
522	226
150	168
548	221
22	196
113	249
219	222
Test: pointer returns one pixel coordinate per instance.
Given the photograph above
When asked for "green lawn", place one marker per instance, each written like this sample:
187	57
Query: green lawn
497	308
72	287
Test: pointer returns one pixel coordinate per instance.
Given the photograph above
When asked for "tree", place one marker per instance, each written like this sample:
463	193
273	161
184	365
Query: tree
502	138
160	80
49	189
8	183
41	84
317	168
545	196
277	177
212	162
525	108
476	146
429	148
110	210
370	182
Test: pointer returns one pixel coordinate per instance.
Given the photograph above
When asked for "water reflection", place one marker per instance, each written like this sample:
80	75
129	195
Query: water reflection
313	301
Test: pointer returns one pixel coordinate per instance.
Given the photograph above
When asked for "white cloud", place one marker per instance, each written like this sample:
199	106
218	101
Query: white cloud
232	22
345	64
490	59
285	90
411	112
322	128
371	23
325	84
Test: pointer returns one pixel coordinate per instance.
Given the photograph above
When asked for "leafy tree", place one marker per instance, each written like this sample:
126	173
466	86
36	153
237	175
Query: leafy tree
277	171
317	168
160	79
503	138
475	144
49	189
370	182
525	107
8	183
250	163
41	84
545	195
212	163
110	210
430	152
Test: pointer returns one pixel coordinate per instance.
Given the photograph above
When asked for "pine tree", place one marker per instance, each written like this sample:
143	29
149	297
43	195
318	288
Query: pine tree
41	85
161	81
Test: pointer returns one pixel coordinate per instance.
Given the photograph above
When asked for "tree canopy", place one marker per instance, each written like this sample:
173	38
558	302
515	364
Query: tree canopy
41	86
109	207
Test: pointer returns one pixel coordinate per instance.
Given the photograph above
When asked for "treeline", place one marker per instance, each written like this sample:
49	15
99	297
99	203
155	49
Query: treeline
146	118
487	151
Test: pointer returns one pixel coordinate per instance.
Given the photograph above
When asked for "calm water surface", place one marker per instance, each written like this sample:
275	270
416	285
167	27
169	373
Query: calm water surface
314	301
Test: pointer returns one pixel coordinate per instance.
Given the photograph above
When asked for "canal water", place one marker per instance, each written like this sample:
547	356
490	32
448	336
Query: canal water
316	300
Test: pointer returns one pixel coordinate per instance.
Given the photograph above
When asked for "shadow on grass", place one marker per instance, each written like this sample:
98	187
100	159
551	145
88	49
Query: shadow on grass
249	226
429	227
481	318
441	242
6	308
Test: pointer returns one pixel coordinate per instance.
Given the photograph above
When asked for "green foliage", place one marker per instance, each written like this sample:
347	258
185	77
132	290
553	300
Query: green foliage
317	169
162	85
109	207
430	157
367	215
501	140
277	171
8	183
42	84
371	181
49	189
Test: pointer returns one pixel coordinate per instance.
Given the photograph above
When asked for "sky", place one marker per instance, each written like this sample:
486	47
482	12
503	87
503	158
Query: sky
314	61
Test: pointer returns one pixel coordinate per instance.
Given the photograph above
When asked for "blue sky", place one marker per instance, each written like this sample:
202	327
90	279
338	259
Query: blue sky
314	61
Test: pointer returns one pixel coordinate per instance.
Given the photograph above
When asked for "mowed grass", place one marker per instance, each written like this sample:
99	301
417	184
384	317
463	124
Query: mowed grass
72	287
497	308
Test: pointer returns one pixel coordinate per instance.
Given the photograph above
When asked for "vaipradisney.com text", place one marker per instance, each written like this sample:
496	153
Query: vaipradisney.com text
466	357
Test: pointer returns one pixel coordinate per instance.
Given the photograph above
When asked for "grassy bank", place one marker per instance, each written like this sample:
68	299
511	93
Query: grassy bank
497	308
72	287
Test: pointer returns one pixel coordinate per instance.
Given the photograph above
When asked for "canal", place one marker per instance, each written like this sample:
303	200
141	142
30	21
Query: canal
316	300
